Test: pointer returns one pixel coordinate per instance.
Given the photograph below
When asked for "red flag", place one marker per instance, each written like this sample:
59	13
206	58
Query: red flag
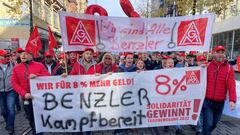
34	43
52	41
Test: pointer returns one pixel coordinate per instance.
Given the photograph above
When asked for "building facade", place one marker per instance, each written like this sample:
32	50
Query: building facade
44	13
14	31
226	30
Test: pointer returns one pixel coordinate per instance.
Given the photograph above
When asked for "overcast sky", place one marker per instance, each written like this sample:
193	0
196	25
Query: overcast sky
113	7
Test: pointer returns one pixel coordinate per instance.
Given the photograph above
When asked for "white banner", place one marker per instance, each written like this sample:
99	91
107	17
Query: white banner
117	34
118	101
235	112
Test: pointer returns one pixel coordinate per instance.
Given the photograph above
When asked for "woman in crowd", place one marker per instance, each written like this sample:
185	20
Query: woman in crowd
128	65
140	65
107	65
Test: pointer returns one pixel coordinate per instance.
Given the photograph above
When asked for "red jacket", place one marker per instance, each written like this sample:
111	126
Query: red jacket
54	67
220	79
112	69
78	69
20	76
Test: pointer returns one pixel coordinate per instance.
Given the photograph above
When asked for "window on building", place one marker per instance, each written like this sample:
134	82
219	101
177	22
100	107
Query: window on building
47	12
236	48
36	8
56	20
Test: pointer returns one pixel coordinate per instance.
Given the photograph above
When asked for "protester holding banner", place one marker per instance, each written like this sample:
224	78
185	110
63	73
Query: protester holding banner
191	60
168	64
128	65
140	65
181	60
21	73
107	65
153	61
201	61
7	95
220	82
147	60
86	65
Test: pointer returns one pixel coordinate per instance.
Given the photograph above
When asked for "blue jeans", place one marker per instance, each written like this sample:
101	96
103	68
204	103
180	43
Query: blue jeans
200	123
7	104
212	112
27	105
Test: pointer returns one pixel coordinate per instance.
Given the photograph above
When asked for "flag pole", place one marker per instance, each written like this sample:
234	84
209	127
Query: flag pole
65	60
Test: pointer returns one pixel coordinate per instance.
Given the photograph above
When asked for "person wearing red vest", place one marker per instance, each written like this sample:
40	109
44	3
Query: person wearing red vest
20	80
220	82
86	65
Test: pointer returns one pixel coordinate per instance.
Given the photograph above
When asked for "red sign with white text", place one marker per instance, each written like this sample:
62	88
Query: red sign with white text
192	33
80	32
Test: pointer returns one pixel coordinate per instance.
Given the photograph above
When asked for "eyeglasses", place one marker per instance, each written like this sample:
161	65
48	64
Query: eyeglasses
108	58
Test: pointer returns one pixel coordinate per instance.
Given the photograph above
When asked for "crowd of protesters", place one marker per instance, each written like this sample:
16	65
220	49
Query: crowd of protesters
18	67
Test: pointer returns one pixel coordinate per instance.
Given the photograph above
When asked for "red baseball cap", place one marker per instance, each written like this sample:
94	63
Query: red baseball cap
61	56
3	52
201	57
166	57
182	54
88	49
26	50
128	53
219	47
193	52
47	54
19	50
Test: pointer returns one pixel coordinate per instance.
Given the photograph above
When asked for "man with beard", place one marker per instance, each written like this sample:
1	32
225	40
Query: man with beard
21	73
220	82
7	94
86	65
50	64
